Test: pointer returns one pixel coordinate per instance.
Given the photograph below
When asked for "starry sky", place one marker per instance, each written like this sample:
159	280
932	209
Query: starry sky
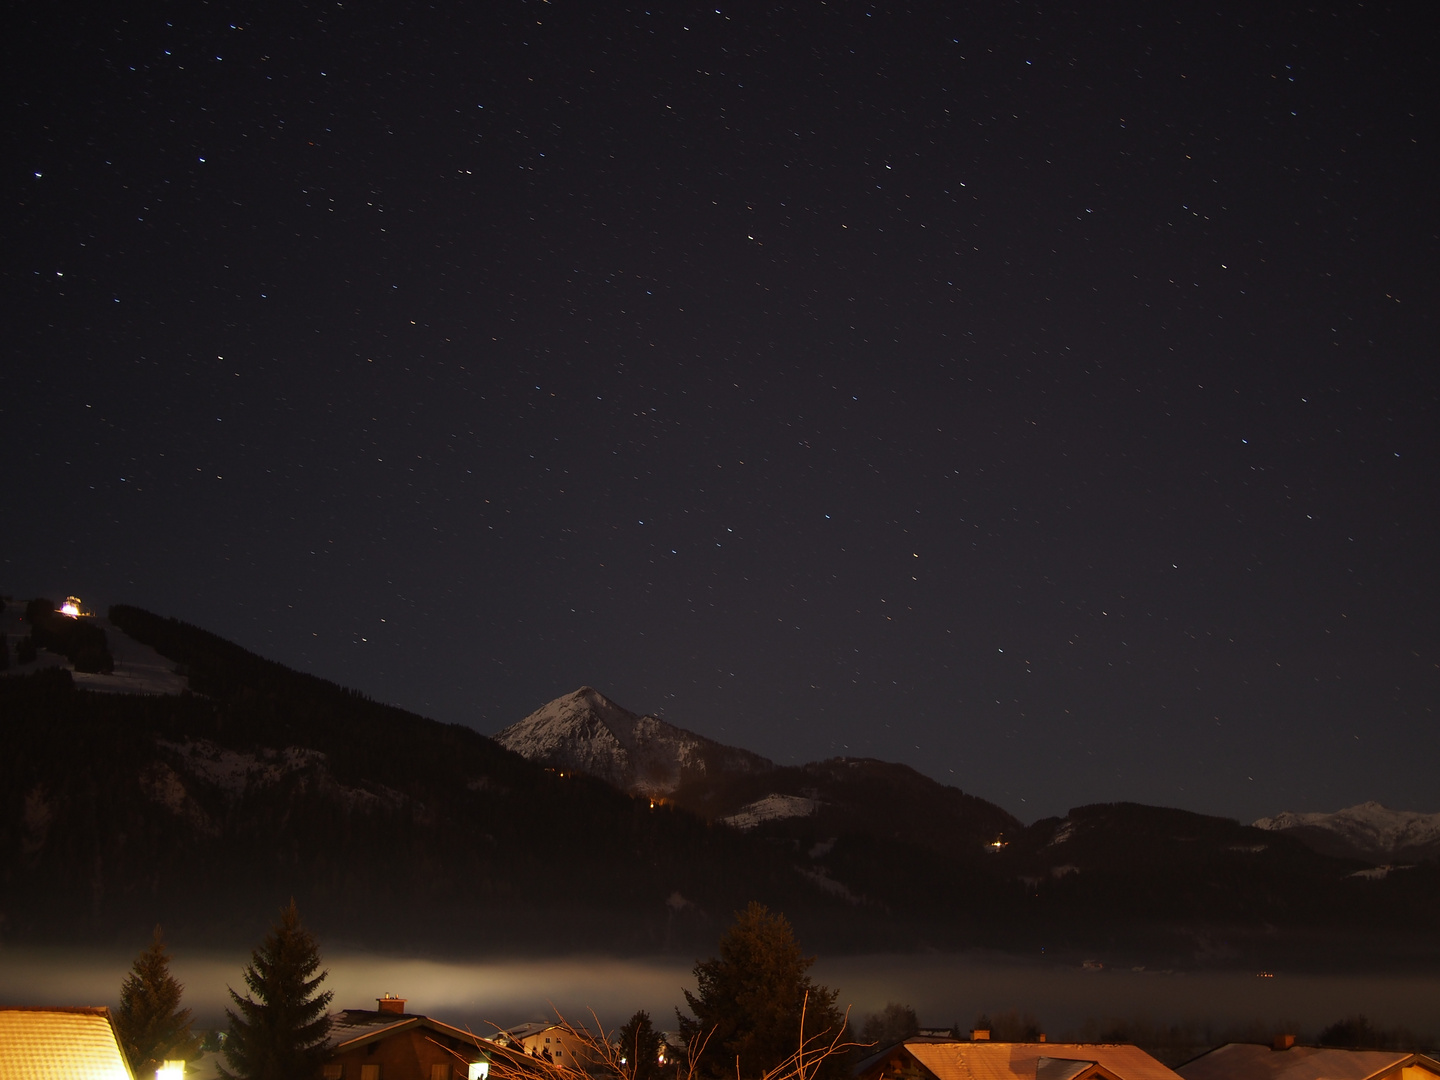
1042	395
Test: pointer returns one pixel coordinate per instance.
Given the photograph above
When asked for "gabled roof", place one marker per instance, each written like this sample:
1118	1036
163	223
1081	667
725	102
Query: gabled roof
1253	1061
1048	1068
360	1027
60	1044
524	1031
955	1060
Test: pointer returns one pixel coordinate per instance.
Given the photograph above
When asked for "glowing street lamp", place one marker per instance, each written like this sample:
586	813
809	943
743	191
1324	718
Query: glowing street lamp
170	1070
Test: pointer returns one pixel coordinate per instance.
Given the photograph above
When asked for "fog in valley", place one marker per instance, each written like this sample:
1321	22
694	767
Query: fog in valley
944	989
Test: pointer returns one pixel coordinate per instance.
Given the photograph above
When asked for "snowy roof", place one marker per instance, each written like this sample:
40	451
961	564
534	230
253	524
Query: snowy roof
950	1059
526	1030
357	1027
60	1044
1252	1061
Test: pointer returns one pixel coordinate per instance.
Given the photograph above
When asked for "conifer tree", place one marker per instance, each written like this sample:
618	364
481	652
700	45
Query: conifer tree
279	1030
894	1024
151	1025
751	998
640	1046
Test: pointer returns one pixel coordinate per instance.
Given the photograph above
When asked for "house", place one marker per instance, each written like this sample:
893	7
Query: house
923	1058
1283	1060
550	1040
387	1043
60	1044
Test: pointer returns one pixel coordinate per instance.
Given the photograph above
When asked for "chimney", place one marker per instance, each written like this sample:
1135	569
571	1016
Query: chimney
1283	1042
980	1035
390	1004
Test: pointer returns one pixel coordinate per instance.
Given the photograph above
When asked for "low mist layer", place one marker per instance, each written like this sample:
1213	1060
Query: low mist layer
943	989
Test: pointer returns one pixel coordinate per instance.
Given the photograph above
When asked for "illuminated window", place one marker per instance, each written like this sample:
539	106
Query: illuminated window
369	1072
479	1070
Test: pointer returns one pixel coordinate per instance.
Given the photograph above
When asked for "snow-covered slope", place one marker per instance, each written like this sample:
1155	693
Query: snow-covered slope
139	669
1368	831
588	732
771	808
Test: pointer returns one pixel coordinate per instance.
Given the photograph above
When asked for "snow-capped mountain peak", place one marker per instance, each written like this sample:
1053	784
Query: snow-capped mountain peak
1368	831
588	732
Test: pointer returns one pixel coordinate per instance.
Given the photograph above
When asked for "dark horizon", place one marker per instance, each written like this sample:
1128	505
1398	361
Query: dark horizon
1041	397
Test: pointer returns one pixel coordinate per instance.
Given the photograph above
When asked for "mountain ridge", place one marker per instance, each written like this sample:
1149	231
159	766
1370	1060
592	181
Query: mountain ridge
205	810
644	755
1368	831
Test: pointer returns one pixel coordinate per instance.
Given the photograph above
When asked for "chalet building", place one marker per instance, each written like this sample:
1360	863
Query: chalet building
61	1044
387	1043
1283	1060
547	1040
923	1058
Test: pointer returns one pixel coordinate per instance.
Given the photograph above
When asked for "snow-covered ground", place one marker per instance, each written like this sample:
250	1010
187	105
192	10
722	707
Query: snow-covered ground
771	808
139	669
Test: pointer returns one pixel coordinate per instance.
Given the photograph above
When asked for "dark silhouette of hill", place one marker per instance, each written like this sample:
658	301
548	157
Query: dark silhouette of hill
889	802
206	810
1211	888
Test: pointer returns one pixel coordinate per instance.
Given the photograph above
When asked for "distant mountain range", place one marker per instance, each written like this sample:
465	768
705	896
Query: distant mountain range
585	825
648	756
1370	832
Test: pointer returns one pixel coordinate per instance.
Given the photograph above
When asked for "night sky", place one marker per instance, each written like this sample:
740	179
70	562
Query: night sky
1044	396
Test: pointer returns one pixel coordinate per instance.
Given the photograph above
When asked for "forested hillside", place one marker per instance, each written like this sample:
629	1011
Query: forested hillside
206	810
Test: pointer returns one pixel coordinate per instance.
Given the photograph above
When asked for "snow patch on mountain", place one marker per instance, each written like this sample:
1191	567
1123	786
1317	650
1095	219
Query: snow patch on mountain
233	771
588	732
162	785
771	808
237	773
139	669
829	885
1368	831
1063	833
1378	873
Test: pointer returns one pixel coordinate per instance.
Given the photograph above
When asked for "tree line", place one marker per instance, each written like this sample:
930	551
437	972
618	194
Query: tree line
754	1005
755	1012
